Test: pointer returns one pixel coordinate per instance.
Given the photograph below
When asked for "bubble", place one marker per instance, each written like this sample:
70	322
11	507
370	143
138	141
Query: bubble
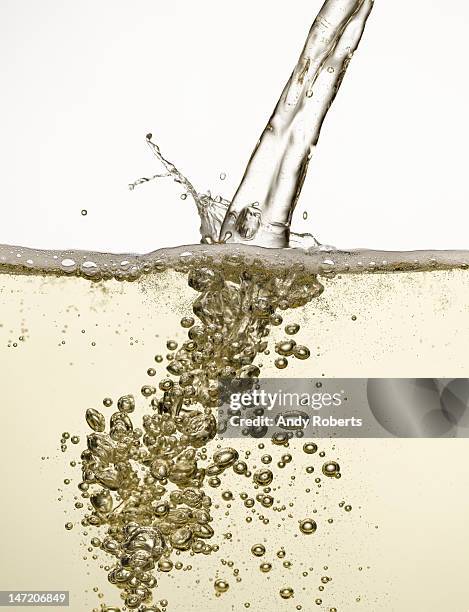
310	448
148	390
354	318
267	501
84	212
286	593
222	176
308	526
331	469
263	477
285	348
265	567
68	526
281	363
258	550
348	508
126	404
240	467
95	420
187	322
158	358
302	352
225	457
325	579
165	565
276	320
68	263
221	586
305	215
280	438
75	439
292	329
102	501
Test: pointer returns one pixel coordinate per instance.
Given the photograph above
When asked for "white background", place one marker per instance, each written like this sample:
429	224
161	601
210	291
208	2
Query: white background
83	82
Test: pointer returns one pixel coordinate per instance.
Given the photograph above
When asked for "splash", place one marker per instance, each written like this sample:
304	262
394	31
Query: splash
262	208
211	211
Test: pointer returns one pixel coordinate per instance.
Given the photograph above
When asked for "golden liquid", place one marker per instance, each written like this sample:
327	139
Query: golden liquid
407	529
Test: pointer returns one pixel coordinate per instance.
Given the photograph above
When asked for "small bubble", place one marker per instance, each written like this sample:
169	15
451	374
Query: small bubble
281	363
308	526
286	593
263	477
84	212
147	390
165	565
187	322
68	263
292	329
331	469
258	550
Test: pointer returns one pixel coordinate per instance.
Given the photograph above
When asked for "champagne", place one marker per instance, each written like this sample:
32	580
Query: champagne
124	354
75	349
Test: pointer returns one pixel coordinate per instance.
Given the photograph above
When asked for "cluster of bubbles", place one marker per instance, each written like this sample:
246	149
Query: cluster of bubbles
145	485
